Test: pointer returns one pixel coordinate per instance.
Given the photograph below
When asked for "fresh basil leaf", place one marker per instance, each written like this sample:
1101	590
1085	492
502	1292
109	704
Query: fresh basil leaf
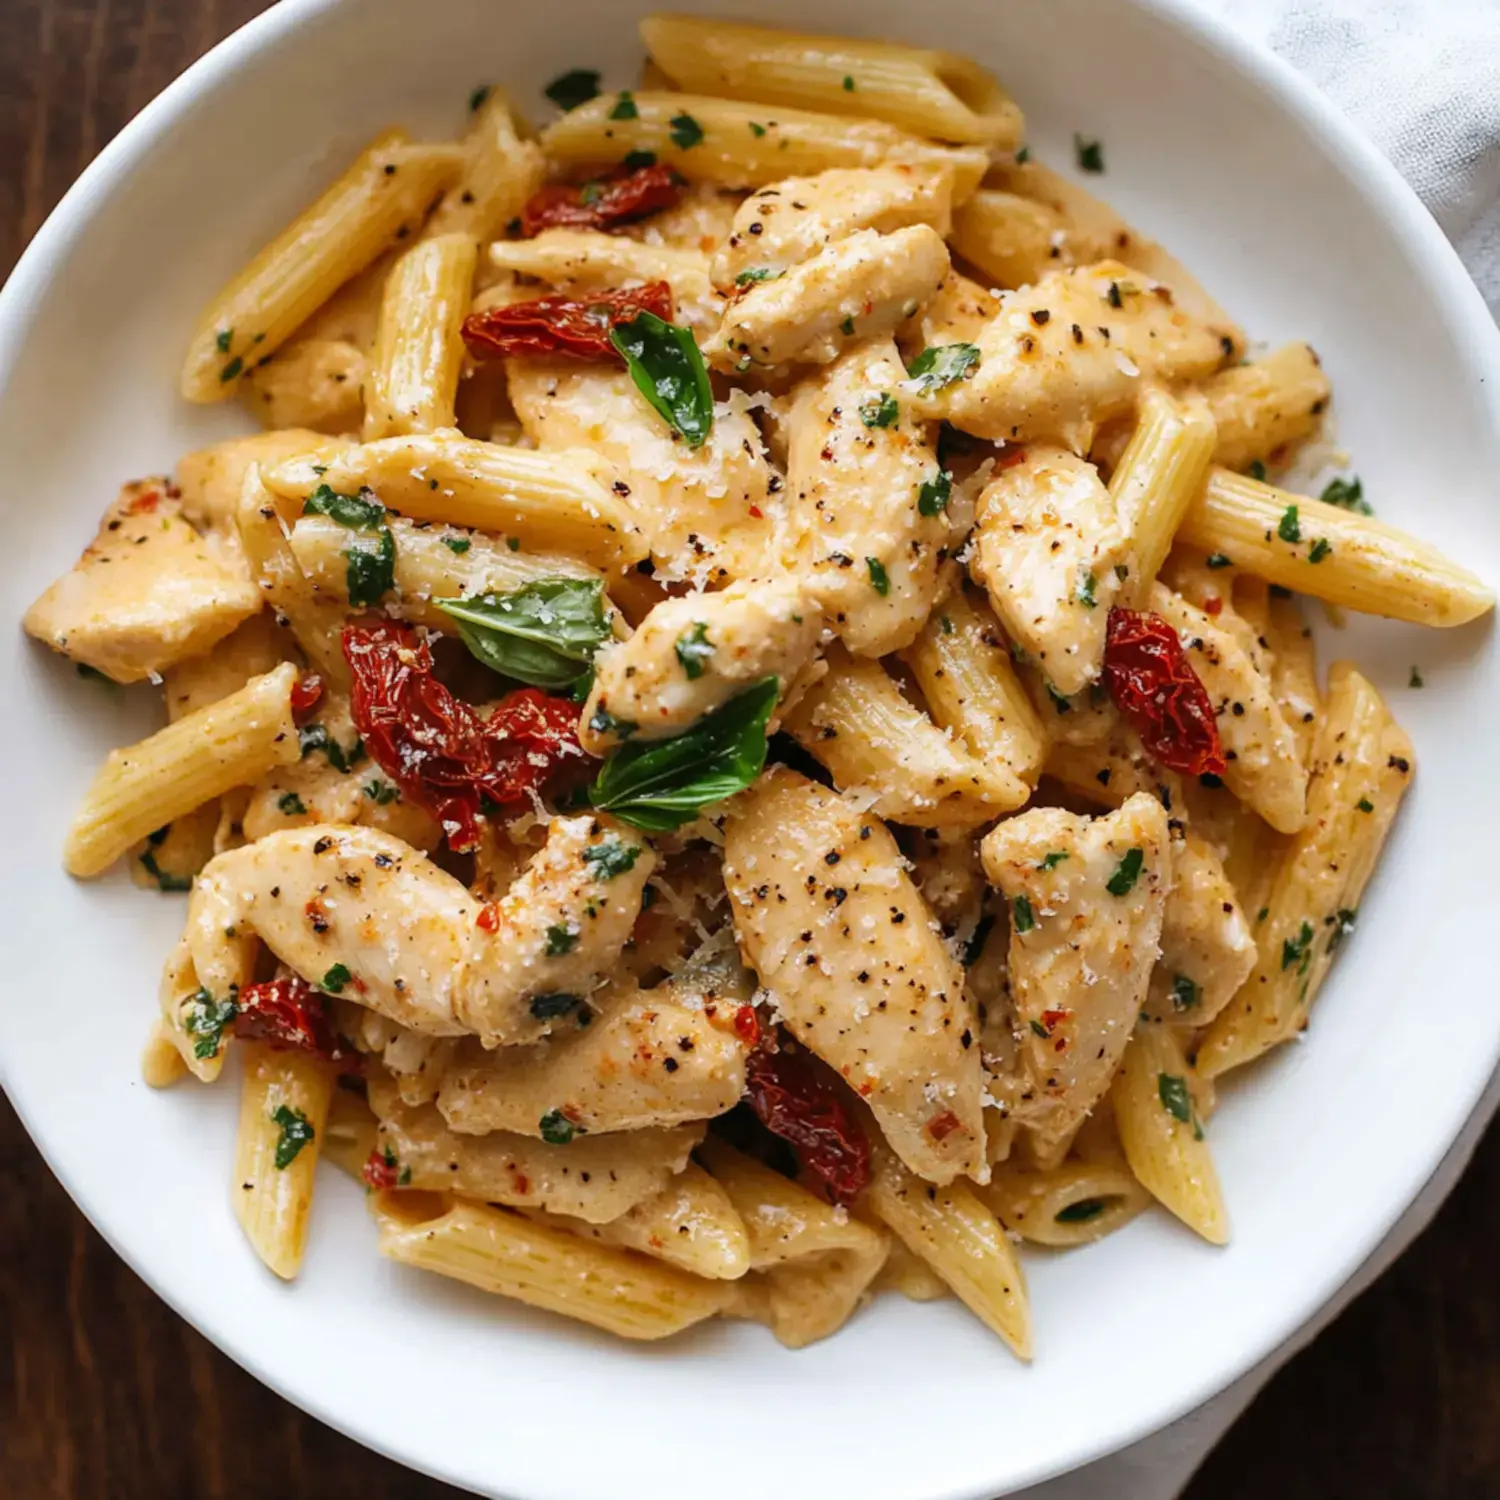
205	1019
668	370
942	365
611	856
370	569
544	634
660	785
357	512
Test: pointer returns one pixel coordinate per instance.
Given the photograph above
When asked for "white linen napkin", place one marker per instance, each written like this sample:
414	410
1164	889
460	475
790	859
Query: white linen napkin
1421	78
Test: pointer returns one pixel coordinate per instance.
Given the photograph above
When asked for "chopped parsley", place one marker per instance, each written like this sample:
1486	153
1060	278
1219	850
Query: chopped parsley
1039	1029
1349	494
457	544
1187	994
561	939
1060	703
757	130
204	1019
694	651
977	939
604	722
477	98
1127	872
371	560
1319	550
165	879
686	132
296	1132
1085	592
1257	470
381	792
942	365
1218	560
625	107
1023	156
1089	151
934	494
335	980
633	161
1343	924
1289	528
848	84
557	1129
881	412
1365	805
316	737
880	580
1298	950
847	327
755	274
1415	680
232	371
569	90
1052	860
550	1007
1025	918
611	856
222	340
1177	1100
291	804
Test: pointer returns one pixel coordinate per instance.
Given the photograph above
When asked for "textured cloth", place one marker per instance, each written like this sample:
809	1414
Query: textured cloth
1421	78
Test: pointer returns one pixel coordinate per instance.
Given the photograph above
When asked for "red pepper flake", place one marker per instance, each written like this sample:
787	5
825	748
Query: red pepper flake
1050	1018
944	1126
435	747
143	503
1009	456
747	1025
1155	687
290	1015
317	914
380	1171
520	1181
793	1099
563	325
305	695
619	197
756	511
1213	605
488	919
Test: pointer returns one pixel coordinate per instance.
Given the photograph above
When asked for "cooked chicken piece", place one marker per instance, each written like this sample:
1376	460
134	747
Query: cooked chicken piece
594	1178
713	504
693	654
418	947
647	1058
788	222
856	965
867	522
148	592
211	479
1047	546
1265	767
1086	897
1207	947
1071	351
856	288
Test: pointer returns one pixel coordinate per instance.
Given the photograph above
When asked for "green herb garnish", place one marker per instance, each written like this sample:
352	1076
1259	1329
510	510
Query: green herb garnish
1085	592
1186	993
694	651
667	367
545	633
686	132
1089	151
296	1132
204	1019
1298	950
942	365
611	856
1052	860
291	804
1024	918
1349	494
458	545
569	90
880	580
1080	1212
561	939
625	107
164	879
881	412
934	494
1177	1100
550	1007
755	274
1127	872
1218	560
1289	528
1319	550
557	1129
335	980
381	793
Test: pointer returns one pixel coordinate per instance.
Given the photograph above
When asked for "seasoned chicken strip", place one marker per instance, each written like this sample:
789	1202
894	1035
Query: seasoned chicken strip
1265	767
854	960
1207	947
147	593
856	288
788	222
418	947
1086	897
713	504
649	1058
693	654
1070	352
594	1178
867	523
1046	549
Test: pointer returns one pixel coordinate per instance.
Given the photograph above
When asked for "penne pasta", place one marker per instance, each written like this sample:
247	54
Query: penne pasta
500	171
712	140
284	1100
931	93
230	743
413	376
1333	554
1265	410
389	187
1074	1203
1156	1112
1362	766
503	1253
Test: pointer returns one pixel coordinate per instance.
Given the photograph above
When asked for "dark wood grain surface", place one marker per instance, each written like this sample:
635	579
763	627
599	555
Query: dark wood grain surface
107	1395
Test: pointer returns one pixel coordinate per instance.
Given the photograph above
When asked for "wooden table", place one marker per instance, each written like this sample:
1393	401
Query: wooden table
109	1396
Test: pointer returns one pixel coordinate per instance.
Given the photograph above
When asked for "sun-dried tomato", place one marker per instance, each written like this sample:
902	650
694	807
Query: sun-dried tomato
619	197
435	747
563	325
792	1100
306	694
290	1014
381	1170
1155	687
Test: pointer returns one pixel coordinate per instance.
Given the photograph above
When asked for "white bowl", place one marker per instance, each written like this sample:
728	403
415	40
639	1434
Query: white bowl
1303	231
